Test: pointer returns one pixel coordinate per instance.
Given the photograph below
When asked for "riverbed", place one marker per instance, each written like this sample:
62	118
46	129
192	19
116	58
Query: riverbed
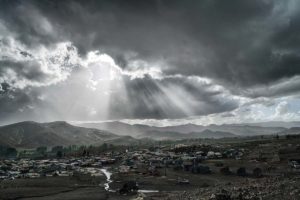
108	175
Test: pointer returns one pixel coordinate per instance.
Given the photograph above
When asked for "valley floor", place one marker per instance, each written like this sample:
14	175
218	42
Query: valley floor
205	187
278	181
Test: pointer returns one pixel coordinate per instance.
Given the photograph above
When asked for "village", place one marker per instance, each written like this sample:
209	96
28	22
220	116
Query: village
180	158
161	169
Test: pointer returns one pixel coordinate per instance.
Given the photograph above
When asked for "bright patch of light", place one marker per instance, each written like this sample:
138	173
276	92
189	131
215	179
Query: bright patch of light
140	68
54	64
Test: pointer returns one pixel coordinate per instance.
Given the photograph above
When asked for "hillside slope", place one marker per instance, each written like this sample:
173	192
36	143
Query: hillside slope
169	135
32	134
138	130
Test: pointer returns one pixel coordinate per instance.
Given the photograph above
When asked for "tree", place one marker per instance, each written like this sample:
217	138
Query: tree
41	150
6	151
57	148
104	145
84	152
11	152
59	154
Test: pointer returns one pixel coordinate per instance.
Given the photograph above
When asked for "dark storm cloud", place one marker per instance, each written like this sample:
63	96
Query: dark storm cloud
284	87
251	48
27	23
16	105
236	42
27	70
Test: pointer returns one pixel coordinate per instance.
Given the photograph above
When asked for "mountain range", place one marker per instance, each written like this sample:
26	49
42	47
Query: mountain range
31	134
138	130
169	135
283	124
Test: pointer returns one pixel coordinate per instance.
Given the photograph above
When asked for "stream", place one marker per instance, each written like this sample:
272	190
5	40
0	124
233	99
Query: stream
108	181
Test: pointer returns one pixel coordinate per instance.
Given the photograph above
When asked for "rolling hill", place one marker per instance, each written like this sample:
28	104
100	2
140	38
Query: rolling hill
290	131
119	128
283	124
138	130
165	135
32	134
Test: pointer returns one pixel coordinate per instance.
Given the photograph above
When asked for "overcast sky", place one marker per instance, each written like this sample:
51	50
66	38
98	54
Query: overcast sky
155	62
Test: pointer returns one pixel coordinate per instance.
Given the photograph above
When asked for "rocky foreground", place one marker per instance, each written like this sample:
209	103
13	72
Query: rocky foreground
250	189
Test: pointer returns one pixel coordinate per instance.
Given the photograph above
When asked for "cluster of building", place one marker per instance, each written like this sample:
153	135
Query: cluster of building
28	168
188	158
181	157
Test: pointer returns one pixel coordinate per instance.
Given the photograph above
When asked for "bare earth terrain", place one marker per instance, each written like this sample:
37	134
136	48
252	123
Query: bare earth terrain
278	180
